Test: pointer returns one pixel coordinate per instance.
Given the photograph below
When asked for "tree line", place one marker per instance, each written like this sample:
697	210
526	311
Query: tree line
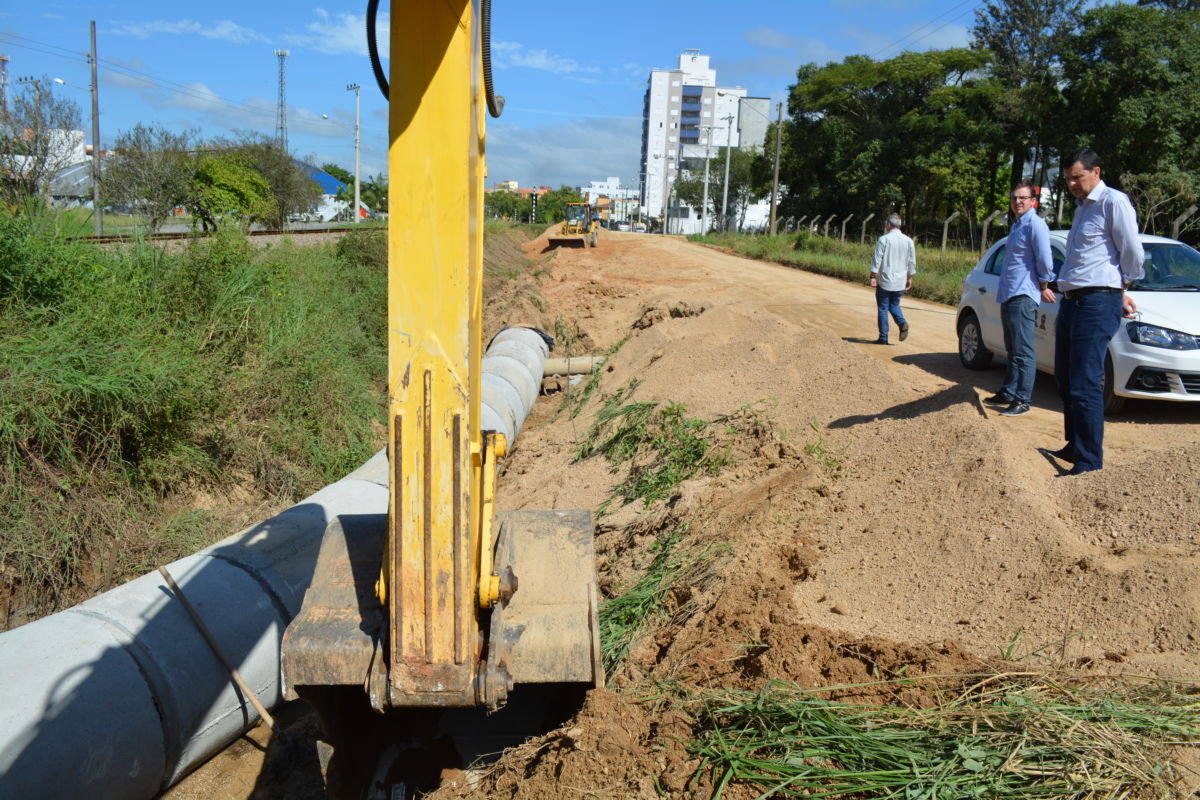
151	170
933	133
508	205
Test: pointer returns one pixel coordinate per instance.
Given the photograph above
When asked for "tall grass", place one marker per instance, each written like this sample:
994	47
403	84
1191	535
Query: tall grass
1006	736
130	376
939	275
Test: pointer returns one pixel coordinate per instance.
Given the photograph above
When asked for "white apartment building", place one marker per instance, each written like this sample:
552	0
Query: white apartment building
686	119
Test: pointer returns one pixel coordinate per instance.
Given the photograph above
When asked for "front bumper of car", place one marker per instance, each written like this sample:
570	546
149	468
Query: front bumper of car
1154	373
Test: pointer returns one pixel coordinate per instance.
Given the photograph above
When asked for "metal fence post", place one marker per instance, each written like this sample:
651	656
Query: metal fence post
862	237
983	238
946	228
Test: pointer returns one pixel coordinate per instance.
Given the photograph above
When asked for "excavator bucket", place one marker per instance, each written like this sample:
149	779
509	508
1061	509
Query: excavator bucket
547	631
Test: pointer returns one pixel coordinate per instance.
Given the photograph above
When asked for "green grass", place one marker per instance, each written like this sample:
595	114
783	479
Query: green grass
624	616
1007	736
661	446
939	275
131	375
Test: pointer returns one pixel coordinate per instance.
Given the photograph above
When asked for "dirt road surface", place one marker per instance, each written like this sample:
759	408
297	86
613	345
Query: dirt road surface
879	518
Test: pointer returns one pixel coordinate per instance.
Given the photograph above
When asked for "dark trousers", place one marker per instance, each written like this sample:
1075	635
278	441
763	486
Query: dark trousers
1081	335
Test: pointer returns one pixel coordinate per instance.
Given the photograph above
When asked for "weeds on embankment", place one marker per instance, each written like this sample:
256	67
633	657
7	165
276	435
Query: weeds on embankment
939	275
134	377
1020	735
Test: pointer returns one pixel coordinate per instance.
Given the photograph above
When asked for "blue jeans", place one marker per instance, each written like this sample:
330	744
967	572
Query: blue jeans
1081	335
1018	315
888	302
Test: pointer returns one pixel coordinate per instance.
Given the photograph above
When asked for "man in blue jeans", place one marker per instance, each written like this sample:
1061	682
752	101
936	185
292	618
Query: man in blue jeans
1024	278
1104	256
892	268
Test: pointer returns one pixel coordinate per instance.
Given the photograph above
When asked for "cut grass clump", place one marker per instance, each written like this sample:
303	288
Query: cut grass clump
1005	736
624	616
663	447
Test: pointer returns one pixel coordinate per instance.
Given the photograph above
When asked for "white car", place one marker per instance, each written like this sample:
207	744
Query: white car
1156	356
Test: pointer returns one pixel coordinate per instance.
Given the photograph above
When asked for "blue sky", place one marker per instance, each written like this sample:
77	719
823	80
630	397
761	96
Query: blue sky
573	84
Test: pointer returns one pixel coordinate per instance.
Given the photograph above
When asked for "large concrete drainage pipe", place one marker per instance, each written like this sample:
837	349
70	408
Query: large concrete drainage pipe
120	696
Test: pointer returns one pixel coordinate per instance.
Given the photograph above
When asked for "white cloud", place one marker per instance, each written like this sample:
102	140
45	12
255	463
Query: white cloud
572	153
224	30
513	54
336	34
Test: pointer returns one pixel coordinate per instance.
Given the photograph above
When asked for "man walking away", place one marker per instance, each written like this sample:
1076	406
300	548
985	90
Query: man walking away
892	268
1104	256
1024	278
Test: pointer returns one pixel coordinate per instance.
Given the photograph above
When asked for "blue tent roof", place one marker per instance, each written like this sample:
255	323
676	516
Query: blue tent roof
328	183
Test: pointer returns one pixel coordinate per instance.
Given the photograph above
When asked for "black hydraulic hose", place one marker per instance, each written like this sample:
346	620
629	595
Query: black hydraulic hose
495	102
373	48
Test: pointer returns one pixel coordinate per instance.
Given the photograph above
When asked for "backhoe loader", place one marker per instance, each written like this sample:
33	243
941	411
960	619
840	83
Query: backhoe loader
446	603
580	226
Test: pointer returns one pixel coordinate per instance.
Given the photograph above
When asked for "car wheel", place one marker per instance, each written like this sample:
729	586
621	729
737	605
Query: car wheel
971	351
1112	402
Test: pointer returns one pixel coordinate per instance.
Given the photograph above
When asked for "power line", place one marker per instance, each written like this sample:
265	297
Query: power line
155	81
915	31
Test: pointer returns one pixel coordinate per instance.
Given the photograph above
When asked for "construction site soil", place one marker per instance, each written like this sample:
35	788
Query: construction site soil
876	518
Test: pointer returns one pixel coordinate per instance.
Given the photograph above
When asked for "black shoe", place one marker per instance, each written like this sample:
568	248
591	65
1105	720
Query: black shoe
1066	454
1079	470
1001	399
904	331
880	340
1015	409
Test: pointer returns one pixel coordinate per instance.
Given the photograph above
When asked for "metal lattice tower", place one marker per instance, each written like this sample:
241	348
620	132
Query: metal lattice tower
281	114
4	85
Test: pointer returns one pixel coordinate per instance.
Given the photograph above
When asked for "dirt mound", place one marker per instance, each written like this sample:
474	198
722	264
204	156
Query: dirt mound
876	522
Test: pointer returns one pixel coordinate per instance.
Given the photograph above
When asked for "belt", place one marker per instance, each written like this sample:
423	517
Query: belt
1071	294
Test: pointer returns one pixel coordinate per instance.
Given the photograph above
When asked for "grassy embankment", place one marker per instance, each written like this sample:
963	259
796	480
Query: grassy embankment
136	381
144	391
939	275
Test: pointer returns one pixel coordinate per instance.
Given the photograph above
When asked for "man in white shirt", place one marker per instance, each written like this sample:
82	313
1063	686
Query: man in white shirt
892	268
1104	256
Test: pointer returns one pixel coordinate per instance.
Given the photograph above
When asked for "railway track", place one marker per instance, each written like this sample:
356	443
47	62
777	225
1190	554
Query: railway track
170	236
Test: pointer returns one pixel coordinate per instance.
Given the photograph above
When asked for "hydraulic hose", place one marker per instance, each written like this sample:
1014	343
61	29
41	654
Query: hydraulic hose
495	102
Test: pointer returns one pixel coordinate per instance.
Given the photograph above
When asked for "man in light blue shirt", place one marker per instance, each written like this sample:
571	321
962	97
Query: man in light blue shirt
1104	256
1024	277
892	268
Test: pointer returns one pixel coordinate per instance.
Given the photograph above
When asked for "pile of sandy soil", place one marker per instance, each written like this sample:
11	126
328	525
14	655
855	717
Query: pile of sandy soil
879	521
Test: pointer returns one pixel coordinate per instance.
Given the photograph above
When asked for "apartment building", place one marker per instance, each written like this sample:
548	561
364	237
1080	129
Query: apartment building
687	118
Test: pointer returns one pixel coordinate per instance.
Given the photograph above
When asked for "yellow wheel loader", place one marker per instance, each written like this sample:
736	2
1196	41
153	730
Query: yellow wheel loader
580	226
447	603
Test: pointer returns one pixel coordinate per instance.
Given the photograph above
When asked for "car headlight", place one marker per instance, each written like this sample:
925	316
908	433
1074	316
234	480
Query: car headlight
1154	336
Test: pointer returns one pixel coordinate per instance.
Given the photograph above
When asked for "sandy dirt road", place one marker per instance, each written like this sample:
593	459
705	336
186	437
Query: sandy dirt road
882	518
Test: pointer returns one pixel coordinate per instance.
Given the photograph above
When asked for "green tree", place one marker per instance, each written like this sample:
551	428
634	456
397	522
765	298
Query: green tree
228	187
909	134
37	140
292	190
343	175
152	171
551	204
503	204
1133	86
1024	38
745	186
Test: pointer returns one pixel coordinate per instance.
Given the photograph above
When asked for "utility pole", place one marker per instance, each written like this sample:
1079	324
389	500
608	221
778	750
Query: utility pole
775	180
725	194
354	87
704	204
97	211
4	86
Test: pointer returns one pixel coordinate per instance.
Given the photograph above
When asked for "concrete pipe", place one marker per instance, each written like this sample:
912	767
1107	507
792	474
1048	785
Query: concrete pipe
121	696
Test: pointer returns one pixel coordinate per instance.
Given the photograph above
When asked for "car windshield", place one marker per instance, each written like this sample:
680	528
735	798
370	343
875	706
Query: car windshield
1169	268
